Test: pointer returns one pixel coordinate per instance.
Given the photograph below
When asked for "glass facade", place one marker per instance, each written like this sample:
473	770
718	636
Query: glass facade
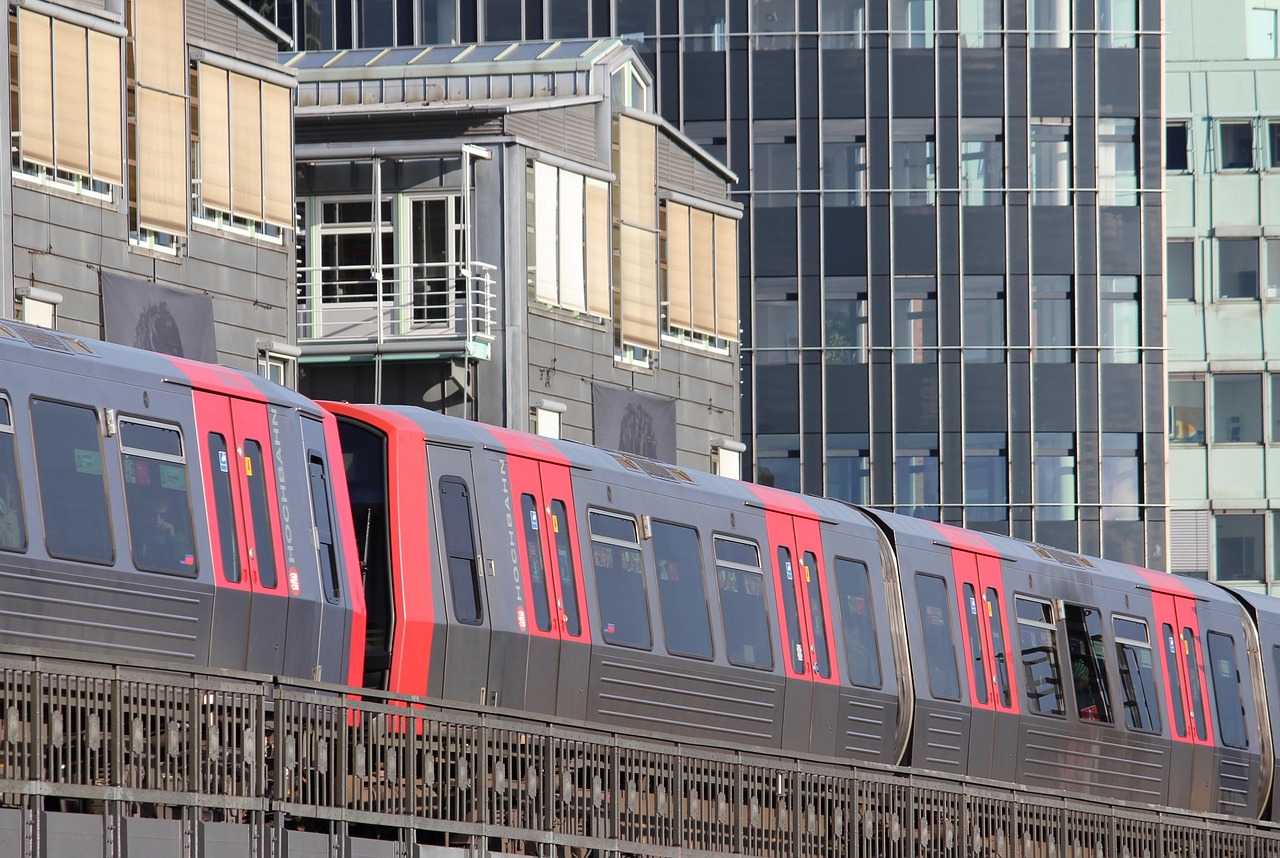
951	252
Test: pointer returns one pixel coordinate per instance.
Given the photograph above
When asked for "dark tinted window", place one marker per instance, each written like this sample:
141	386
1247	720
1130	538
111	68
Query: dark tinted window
624	605
822	657
533	557
13	524
73	493
263	537
975	643
681	590
742	604
1175	146
939	645
156	497
322	517
1038	646
224	508
1175	679
1137	675
1189	646
857	617
459	544
998	644
1226	690
564	561
788	575
1088	653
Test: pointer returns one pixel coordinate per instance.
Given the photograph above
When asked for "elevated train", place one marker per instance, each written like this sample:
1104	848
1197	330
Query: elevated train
156	509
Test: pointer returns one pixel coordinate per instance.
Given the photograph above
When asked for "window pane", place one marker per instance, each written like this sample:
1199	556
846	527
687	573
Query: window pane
564	563
73	494
1237	268
1174	675
939	645
1237	408
1273	267
1226	690
533	560
13	524
1088	662
849	468
857	617
1273	140
1119	322
1039	653
263	535
1175	147
459	541
844	162
915	321
156	498
911	22
1117	23
981	162
986	477
1121	476
980	23
1186	411
996	615
1137	676
974	634
913	170
1050	22
1050	165
916	475
1181	279
1192	649
842	23
742	604
1236	150
1055	476
624	605
681	590
322	519
1117	162
1051	319
845	319
817	615
787	575
1240	547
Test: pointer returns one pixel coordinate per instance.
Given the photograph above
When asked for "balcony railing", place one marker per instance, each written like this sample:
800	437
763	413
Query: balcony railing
449	305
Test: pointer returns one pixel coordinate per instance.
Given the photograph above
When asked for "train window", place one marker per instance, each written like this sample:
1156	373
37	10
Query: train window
13	525
564	561
1175	679
1137	675
156	498
263	537
223	507
682	590
73	490
1038	645
788	575
323	520
742	605
992	599
1189	648
1088	652
460	546
624	606
939	644
858	618
822	656
980	680
537	569
1226	690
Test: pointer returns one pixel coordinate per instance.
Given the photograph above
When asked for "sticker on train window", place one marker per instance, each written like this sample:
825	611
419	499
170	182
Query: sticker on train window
787	568
555	524
222	462
88	461
173	477
533	519
973	605
248	466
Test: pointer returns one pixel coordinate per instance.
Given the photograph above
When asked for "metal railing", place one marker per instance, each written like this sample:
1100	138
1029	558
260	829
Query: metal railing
443	302
168	745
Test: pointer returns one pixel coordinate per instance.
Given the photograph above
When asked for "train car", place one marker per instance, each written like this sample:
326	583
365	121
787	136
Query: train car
603	587
154	509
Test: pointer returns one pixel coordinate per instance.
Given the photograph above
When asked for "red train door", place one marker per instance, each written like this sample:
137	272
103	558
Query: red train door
979	588
811	586
251	608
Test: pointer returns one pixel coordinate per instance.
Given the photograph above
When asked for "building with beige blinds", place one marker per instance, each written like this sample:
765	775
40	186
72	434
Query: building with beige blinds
527	259
151	143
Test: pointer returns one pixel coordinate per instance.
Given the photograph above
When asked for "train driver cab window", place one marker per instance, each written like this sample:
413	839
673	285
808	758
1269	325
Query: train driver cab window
742	604
1038	644
13	525
939	642
1088	652
460	546
682	590
322	519
73	491
1228	700
564	562
533	558
624	604
156	497
1137	675
858	619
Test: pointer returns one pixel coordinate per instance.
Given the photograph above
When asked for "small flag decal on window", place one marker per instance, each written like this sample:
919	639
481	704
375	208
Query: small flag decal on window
189	560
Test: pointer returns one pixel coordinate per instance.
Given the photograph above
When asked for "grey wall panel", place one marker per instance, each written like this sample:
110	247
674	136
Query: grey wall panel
151	838
216	25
